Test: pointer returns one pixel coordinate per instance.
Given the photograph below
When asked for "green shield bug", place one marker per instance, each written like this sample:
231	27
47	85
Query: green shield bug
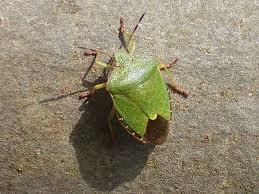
141	100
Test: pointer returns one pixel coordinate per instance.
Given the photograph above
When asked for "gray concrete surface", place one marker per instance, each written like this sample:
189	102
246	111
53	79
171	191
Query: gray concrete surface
51	142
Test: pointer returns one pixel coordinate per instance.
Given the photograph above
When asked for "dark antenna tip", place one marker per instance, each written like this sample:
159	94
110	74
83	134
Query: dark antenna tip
135	28
142	16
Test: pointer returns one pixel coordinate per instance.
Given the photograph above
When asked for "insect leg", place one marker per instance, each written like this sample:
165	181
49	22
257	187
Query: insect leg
111	115
105	65
86	94
173	85
94	52
178	89
169	65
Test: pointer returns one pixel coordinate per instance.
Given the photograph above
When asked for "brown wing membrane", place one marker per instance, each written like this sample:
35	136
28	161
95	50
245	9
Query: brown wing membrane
157	130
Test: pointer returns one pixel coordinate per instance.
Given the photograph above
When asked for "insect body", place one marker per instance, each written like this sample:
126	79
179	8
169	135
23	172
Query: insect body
139	93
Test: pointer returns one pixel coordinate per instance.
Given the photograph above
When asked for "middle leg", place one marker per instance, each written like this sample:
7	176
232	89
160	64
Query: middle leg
172	84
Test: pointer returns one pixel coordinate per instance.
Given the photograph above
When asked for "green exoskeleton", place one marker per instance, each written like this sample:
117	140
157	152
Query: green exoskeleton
140	96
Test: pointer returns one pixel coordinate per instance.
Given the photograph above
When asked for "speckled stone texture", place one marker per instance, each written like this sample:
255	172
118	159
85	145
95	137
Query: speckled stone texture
51	142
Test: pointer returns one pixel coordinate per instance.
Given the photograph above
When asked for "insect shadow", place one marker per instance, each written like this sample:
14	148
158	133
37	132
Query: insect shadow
105	164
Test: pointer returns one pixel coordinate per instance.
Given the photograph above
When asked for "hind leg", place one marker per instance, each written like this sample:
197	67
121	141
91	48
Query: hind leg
110	118
87	94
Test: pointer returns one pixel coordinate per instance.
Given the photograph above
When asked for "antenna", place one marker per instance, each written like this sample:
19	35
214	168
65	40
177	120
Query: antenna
136	27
